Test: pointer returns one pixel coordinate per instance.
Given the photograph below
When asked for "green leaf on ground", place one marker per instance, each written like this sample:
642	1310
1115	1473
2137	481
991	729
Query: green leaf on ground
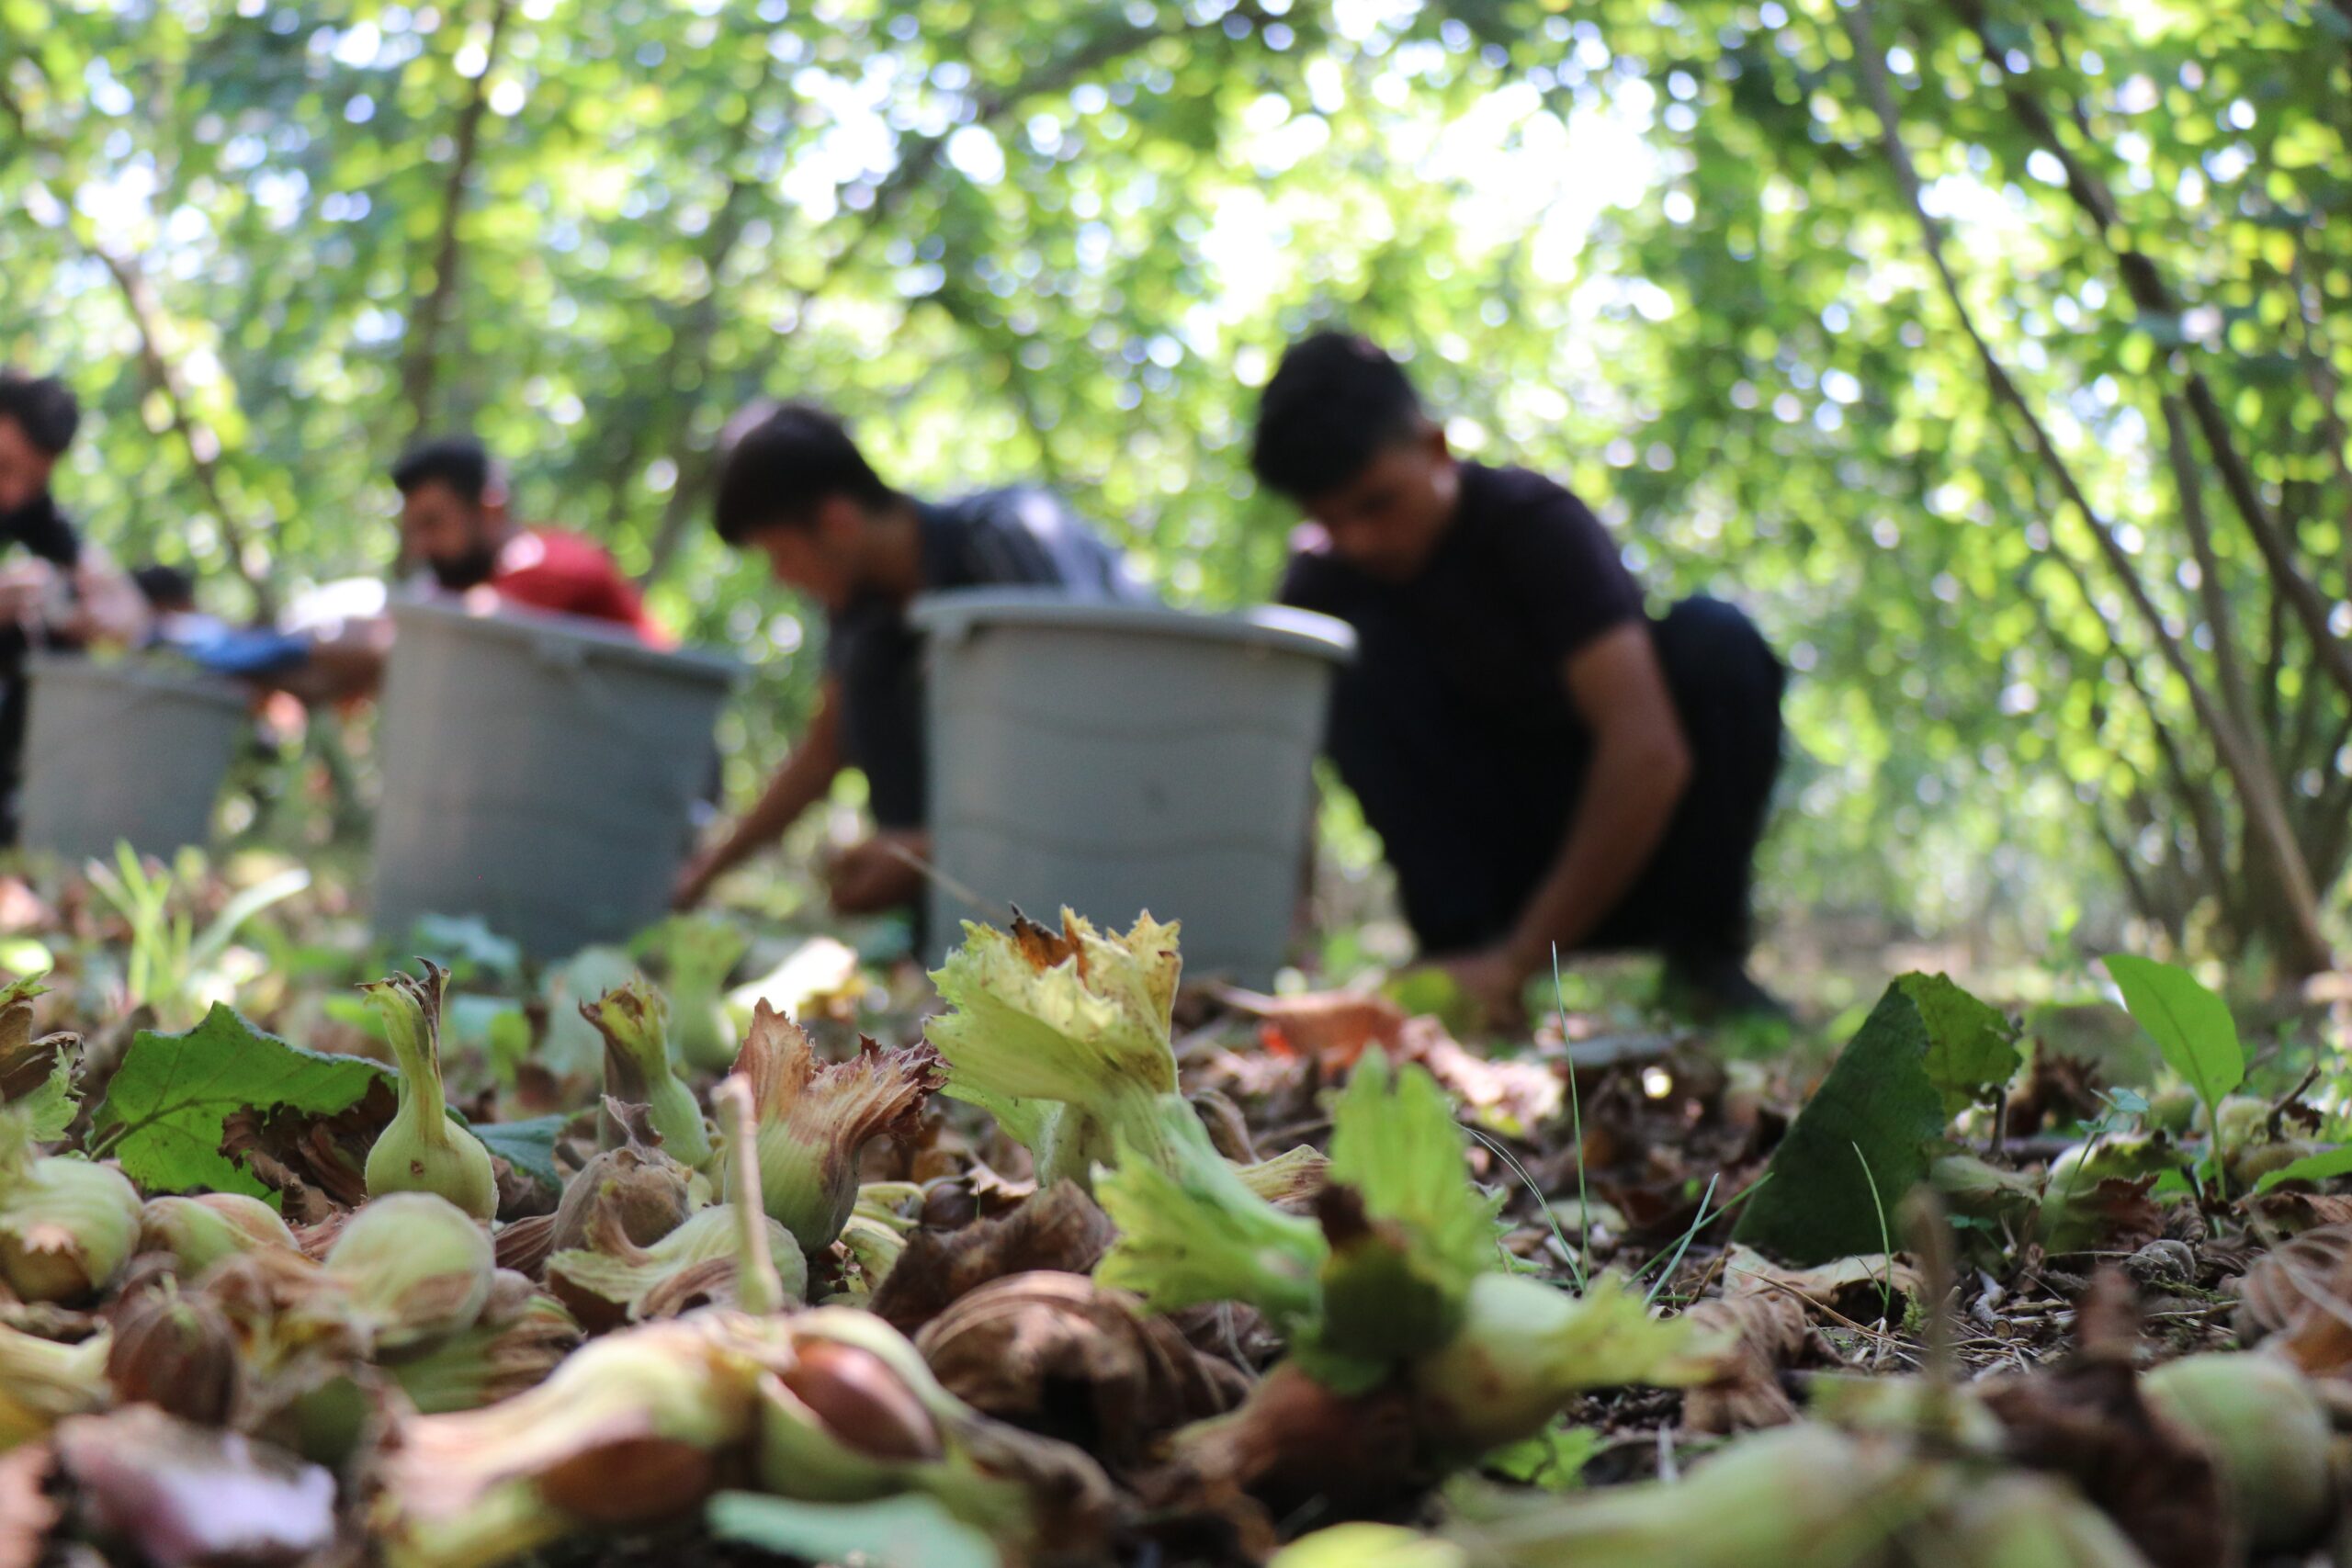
1887	1100
911	1530
1551	1459
2310	1167
1970	1047
2191	1025
529	1146
162	1113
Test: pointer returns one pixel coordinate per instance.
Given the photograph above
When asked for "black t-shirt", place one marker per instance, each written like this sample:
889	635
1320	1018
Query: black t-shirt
1453	725
1016	537
42	528
39	527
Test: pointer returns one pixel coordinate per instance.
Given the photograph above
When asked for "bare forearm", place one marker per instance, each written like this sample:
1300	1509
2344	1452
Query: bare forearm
1629	798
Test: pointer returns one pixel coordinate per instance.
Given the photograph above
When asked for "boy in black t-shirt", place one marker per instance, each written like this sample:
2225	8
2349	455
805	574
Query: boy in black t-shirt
795	487
1545	765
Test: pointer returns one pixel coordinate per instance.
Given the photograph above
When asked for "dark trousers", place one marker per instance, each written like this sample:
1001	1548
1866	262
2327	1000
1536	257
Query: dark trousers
1691	902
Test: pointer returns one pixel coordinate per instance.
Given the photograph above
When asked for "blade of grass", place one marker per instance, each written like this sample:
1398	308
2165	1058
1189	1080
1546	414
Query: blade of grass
1559	1238
1576	1129
1885	1236
1683	1245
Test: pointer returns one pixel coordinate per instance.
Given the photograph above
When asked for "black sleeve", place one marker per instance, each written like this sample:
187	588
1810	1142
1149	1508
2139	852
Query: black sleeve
1307	583
43	529
1557	555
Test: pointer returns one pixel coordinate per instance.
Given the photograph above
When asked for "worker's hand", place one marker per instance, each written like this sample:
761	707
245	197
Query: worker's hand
881	874
25	590
1494	983
107	607
697	875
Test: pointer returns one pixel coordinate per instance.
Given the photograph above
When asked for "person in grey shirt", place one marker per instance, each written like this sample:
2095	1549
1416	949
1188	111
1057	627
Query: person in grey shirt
794	486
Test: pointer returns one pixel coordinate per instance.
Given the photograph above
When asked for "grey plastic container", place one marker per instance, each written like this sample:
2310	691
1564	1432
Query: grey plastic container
125	750
1119	757
540	771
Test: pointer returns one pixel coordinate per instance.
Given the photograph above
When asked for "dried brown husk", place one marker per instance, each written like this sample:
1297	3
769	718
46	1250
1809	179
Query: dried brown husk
2294	1279
645	1187
2086	1418
611	1280
318	1161
525	1245
1058	1229
814	1121
1769	1332
298	1333
26	1063
1293	1443
1058	1354
176	1351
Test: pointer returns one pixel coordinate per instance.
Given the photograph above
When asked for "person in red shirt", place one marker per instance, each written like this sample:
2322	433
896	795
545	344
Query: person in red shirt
458	538
454	523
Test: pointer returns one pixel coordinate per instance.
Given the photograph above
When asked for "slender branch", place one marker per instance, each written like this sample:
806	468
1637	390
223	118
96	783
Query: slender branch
421	368
2146	286
696	465
2237	695
196	437
2266	810
2199	799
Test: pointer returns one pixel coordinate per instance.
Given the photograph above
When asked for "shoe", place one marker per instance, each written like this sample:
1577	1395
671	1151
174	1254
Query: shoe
1718	990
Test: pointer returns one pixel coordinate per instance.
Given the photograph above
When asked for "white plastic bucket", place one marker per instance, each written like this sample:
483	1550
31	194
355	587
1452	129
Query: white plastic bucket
1119	758
540	772
123	750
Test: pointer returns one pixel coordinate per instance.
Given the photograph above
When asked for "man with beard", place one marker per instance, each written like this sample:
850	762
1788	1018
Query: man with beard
454	525
456	539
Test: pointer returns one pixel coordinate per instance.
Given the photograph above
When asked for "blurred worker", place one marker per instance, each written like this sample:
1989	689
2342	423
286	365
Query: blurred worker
57	594
454	523
794	486
459	538
1546	765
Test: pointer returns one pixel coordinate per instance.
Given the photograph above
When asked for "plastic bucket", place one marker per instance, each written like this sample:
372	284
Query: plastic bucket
123	750
540	772
1118	759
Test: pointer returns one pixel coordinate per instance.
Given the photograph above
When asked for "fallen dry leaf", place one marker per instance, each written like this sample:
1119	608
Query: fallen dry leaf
1331	1026
1514	1097
1839	1286
326	1153
1767	1332
2288	1281
525	1246
1058	1229
1058	1355
181	1494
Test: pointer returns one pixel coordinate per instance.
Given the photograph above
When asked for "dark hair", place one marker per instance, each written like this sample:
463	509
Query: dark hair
1335	401
42	407
458	461
778	461
165	587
